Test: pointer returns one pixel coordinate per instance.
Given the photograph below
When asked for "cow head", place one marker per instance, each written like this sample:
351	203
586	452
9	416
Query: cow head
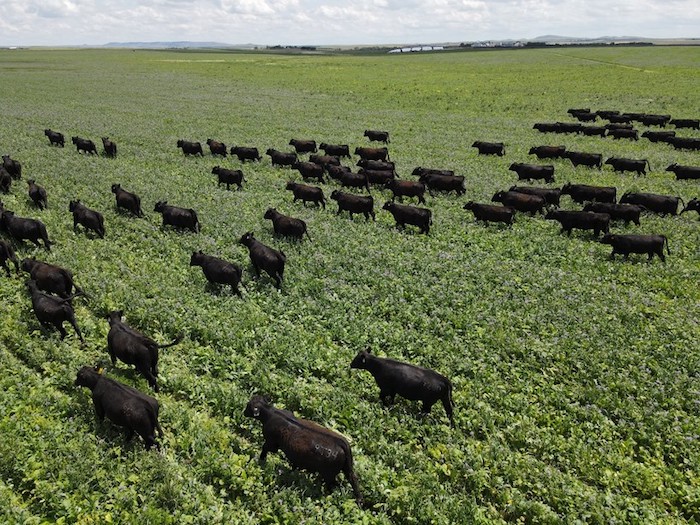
498	196
256	406
160	206
672	167
196	259
116	188
72	205
247	239
388	205
180	143
514	166
115	317
290	185
88	376
608	238
216	169
469	205
270	213
361	359
335	195
32	181
28	264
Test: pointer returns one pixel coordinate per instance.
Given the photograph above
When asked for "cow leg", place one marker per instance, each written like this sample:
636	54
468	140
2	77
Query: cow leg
428	405
330	480
99	412
129	435
267	447
71	320
59	327
7	268
374	218
386	397
234	289
447	403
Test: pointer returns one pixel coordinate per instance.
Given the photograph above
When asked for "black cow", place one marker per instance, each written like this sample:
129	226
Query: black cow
279	158
585	159
520	201
348	179
110	147
307	193
490	212
354	204
373	153
55	138
337	150
306	445
377	136
244	153
84	145
409	381
550	195
444	183
51	278
593	131
264	258
621	212
309	170
5	180
658	136
406	188
663	204
52	310
178	217
568	127
533	171
581	193
324	160
7	253
585	116
623	134
218	271
574	111
336	172
626	244
623	118
690	143
21	228
286	225
124	406
90	219
304	146
490	148
37	194
13	167
133	348
190	148
421	217
693	205
216	147
622	164
685	123
420	171
380	177
547	127
384	165
548	152
127	200
581	220
685	172
655	120
618	125
228	177
605	113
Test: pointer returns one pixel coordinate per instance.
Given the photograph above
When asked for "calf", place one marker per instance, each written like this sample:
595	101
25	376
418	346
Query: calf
446	183
133	348
84	145
51	278
663	204
550	195
13	167
385	165
7	253
533	171
354	204
306	193
421	217
621	164
526	203
409	381
90	219
373	153
377	136
685	172
55	138
406	188
244	153
21	228
626	244
690	143
685	123
309	170
303	146
618	212
228	177
548	152
581	193
109	147
286	225
307	445
582	220
490	148
279	158
190	148
178	217
693	205
580	158
216	147
127	200
658	136
37	194
338	150
380	177
490	212
218	271
124	406
264	258
52	310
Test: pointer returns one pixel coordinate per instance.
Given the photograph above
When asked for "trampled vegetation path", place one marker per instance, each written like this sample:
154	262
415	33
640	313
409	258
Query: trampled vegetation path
575	378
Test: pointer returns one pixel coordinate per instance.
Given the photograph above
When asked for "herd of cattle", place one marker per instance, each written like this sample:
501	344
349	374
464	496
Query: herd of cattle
306	444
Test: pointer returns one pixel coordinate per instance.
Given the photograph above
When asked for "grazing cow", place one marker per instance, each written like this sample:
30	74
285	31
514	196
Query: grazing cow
421	217
84	145
244	153
406	188
581	193
548	152
178	217
354	204
305	444
685	123
190	148
420	171
127	200
286	225
21	228
617	212
626	244
373	153
336	150
124	406
51	278
444	183
228	177
133	348
324	160
663	204
384	165
655	120
377	136
348	179
37	194
307	193
693	205
520	201
304	146
7	253
533	171
409	381
218	271
690	143
550	195
585	159
5	180
380	177
594	131
109	147
55	138
309	170
52	310
581	220
622	164
623	134
13	167
216	147
658	136
90	219
279	158
490	148
264	258
490	212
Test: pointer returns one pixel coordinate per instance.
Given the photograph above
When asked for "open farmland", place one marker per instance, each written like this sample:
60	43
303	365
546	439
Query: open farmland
576	378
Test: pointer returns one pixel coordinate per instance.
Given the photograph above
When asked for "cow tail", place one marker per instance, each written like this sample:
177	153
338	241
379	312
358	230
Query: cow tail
668	250
175	341
350	472
682	201
648	165
306	231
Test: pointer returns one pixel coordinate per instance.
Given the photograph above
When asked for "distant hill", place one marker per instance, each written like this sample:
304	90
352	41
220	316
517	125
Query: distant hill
178	45
566	39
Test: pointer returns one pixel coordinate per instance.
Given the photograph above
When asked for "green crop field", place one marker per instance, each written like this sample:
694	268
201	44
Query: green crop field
576	378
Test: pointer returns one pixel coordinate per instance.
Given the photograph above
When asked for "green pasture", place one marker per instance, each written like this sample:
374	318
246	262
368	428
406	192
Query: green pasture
576	378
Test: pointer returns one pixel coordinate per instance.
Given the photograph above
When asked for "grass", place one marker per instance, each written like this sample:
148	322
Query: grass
575	377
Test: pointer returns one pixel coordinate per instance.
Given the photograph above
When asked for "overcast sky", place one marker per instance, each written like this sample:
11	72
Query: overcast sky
322	22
